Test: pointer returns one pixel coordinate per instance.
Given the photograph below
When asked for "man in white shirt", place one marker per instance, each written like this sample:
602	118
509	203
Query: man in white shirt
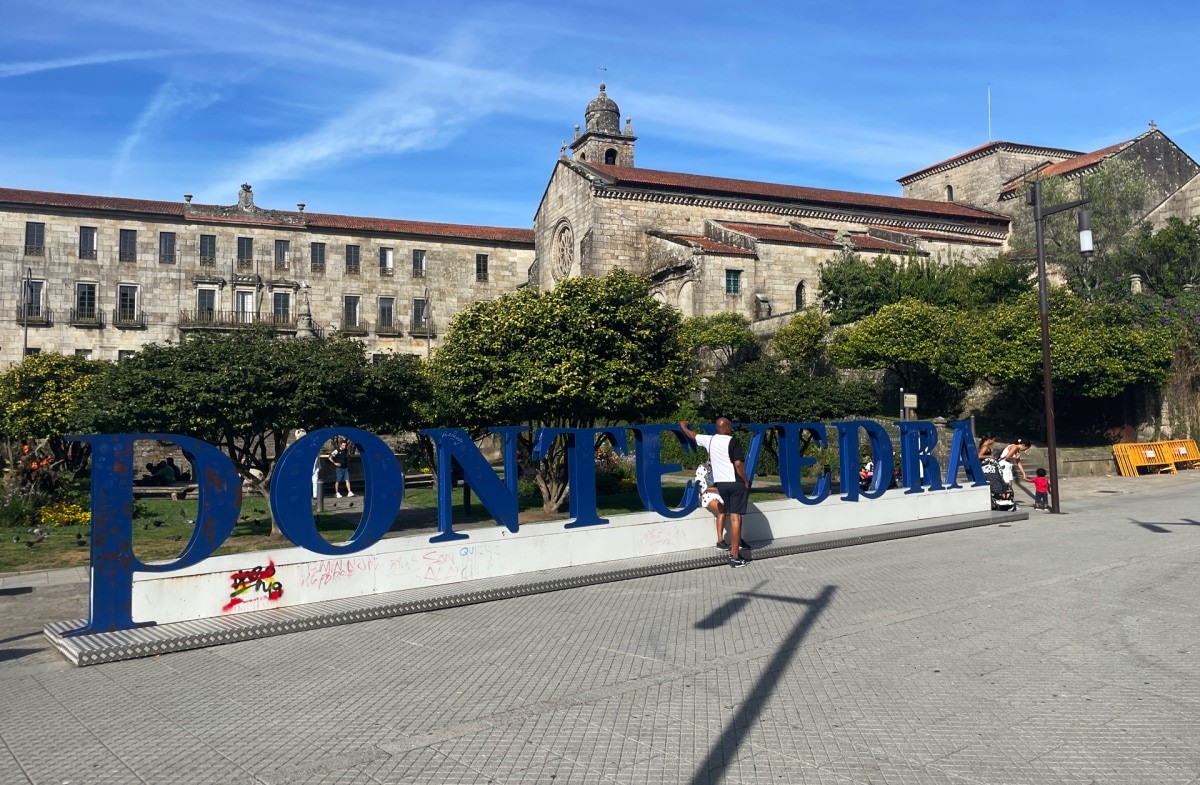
729	473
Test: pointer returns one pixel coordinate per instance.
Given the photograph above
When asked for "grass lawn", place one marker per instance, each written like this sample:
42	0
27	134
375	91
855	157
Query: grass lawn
162	526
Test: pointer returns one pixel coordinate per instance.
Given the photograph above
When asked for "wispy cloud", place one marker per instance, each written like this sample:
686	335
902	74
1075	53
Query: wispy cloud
100	58
172	101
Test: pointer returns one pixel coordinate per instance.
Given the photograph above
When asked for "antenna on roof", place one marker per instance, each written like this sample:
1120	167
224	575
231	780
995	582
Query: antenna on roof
989	91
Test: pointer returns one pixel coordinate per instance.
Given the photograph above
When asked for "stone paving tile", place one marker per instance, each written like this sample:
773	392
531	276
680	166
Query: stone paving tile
11	772
975	658
424	766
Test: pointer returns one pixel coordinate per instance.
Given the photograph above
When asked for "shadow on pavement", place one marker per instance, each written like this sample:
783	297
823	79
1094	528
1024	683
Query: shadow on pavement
734	734
14	590
1161	526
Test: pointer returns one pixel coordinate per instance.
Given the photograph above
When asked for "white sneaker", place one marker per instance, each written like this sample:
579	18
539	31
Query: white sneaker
349	493
338	495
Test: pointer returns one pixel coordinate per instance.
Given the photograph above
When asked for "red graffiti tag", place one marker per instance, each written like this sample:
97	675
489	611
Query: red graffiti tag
260	579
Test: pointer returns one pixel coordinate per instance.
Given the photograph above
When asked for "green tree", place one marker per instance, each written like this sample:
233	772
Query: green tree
724	336
801	342
766	390
592	350
1097	350
41	398
1118	190
923	344
246	392
852	287
1168	259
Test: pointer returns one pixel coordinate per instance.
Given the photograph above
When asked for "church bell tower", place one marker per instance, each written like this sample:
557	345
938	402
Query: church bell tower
603	141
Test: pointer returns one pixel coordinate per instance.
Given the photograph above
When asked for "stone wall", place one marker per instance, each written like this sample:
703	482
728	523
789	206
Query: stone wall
168	288
978	182
1183	204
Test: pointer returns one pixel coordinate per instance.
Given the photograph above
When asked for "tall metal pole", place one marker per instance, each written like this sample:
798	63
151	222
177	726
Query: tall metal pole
1044	312
27	306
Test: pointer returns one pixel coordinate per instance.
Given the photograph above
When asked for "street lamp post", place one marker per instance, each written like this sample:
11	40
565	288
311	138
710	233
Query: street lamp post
1040	213
27	306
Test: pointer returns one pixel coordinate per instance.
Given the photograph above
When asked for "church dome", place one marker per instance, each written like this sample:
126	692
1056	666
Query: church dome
602	114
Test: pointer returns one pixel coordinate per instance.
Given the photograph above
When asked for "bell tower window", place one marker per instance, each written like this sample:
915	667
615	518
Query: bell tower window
610	156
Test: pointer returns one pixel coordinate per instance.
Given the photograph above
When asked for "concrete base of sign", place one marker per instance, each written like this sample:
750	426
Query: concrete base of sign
409	574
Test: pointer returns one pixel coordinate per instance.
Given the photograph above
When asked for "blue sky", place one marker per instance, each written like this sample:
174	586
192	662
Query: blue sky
454	111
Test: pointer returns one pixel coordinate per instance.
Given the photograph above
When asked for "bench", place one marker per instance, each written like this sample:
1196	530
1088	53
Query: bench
175	492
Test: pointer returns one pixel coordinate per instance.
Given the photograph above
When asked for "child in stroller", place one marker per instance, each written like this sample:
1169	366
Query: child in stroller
1002	495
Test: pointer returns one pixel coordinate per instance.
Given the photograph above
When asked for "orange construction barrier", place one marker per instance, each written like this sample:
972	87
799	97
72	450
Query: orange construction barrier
1156	457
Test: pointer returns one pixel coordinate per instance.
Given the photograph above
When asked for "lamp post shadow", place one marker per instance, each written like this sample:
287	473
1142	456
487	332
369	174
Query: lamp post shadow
733	735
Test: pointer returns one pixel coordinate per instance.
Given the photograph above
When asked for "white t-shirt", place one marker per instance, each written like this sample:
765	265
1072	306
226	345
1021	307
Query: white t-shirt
721	454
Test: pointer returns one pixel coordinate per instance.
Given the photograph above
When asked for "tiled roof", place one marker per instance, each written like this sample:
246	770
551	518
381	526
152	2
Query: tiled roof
1068	166
820	238
84	202
779	234
632	177
176	210
865	242
395	226
944	236
709	245
981	151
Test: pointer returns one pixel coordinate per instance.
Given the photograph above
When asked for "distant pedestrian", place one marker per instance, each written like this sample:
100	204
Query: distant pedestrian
1041	488
729	473
340	458
985	447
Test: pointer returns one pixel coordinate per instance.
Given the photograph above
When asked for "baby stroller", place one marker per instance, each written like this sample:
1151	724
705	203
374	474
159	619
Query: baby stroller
1002	495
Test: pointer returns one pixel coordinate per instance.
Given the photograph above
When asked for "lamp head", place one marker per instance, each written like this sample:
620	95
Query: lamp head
1086	248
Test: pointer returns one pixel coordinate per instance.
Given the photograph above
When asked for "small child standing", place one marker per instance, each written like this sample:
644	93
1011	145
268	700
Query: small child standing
1041	487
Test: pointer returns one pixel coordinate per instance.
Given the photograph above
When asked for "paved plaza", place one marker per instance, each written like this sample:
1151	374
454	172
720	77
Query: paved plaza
1062	649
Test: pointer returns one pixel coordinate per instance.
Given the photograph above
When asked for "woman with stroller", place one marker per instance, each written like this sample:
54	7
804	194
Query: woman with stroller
1010	457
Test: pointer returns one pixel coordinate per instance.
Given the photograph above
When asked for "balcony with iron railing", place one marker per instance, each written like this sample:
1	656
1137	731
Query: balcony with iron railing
87	317
359	327
129	319
166	258
35	250
126	256
208	261
422	328
33	315
211	319
389	327
88	253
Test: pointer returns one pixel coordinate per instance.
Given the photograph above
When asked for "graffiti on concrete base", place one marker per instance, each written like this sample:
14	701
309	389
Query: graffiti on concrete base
258	582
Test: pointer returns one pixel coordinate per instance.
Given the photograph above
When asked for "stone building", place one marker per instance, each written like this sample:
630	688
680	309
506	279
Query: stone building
713	244
102	276
990	176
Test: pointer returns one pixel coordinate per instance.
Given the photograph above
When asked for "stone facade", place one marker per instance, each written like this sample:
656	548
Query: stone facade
977	176
596	217
991	176
254	266
110	275
1183	204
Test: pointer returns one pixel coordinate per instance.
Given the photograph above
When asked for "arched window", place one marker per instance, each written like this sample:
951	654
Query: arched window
949	193
801	296
610	156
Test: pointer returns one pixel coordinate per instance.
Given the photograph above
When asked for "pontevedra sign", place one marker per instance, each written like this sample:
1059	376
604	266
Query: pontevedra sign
113	562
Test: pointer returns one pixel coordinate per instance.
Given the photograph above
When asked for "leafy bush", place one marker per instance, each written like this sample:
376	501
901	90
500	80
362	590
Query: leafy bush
19	510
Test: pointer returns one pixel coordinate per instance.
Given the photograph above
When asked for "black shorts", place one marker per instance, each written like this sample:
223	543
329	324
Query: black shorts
736	496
